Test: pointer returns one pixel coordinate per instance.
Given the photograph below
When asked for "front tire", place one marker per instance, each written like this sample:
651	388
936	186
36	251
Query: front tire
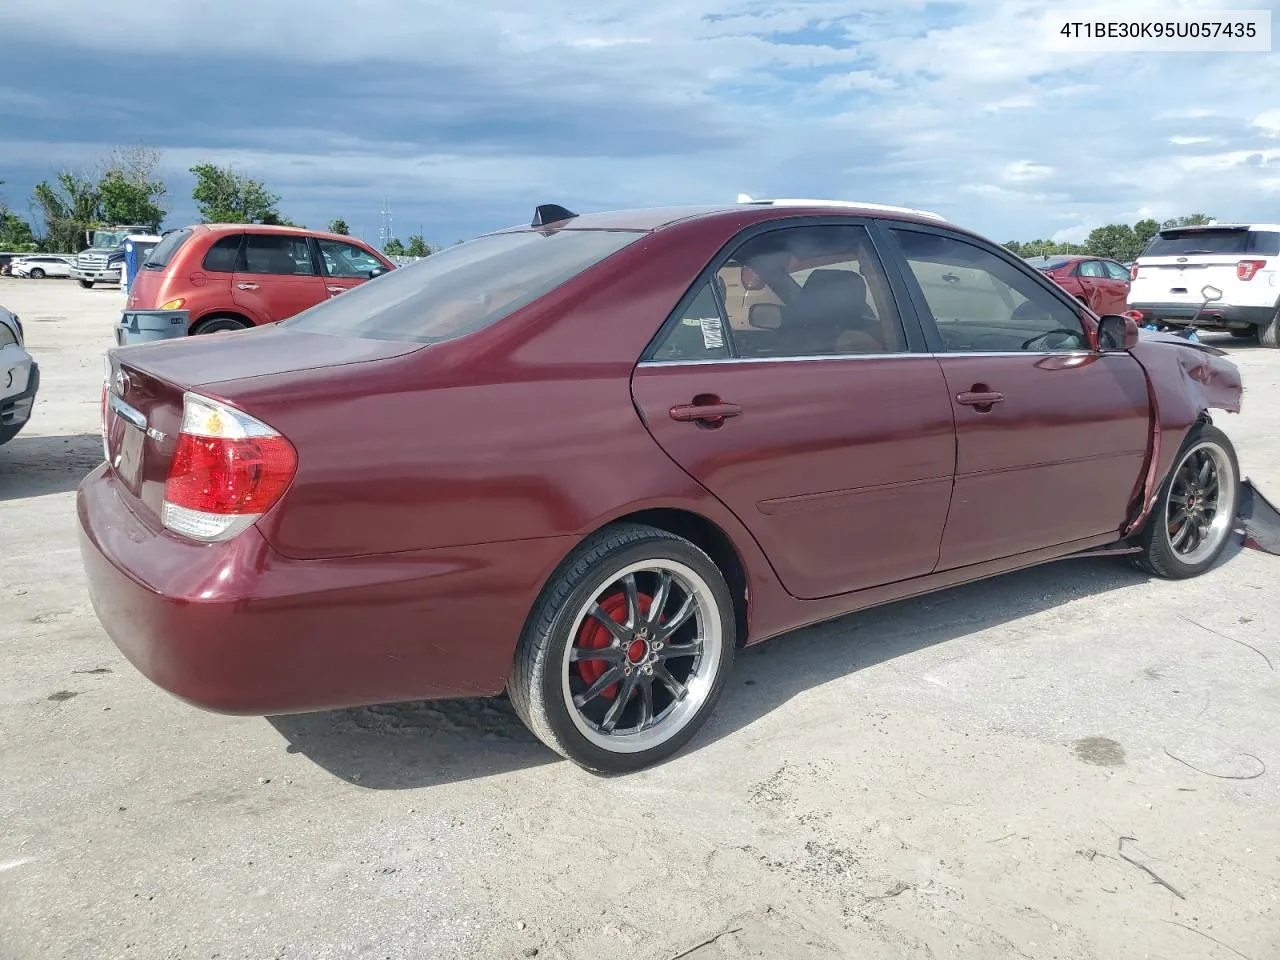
626	651
1195	513
87	284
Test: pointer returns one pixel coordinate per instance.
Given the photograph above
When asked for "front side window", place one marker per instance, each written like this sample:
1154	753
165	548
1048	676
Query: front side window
810	292
278	255
463	288
983	304
1115	270
347	260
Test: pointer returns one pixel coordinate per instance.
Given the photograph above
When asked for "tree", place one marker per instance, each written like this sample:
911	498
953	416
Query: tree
67	210
129	188
393	248
224	196
417	247
15	232
1195	220
339	226
1144	230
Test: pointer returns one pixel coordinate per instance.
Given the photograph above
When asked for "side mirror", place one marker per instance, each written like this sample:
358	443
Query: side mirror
377	272
765	316
1210	293
751	280
1117	333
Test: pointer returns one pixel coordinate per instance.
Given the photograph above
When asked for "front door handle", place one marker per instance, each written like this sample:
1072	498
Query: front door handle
247	286
706	412
979	398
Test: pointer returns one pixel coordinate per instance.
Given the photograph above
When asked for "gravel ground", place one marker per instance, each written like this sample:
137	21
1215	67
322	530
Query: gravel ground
864	790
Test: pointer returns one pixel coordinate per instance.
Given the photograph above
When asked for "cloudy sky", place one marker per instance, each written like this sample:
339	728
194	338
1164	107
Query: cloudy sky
466	115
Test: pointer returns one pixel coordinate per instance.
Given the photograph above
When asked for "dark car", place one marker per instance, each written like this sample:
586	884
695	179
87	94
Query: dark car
544	461
1100	283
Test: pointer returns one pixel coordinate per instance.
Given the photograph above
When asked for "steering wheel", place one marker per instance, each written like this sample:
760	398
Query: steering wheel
1071	334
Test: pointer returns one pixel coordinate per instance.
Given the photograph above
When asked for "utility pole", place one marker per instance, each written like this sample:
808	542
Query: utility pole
386	233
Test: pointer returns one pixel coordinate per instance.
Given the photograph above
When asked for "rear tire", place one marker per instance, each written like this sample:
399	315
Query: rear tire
1195	513
1269	334
607	614
217	325
37	274
9	432
87	284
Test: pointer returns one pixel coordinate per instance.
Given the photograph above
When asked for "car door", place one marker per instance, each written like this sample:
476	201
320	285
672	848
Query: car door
277	277
1093	283
822	424
1117	298
1051	435
345	265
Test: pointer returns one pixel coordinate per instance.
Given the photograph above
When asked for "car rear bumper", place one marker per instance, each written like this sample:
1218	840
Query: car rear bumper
1214	315
16	410
237	628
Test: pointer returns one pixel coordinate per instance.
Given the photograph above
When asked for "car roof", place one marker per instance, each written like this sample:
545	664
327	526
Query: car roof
1223	226
655	218
271	228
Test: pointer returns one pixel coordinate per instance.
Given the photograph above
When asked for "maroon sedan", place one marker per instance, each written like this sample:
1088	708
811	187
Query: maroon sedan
546	461
1100	283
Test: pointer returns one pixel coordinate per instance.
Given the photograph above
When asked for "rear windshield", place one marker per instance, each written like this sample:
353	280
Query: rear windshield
463	288
1184	243
163	251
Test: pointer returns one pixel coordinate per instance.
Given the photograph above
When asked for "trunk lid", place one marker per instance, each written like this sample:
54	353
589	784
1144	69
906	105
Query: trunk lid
142	412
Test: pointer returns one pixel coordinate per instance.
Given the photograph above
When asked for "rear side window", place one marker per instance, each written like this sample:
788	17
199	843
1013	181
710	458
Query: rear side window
280	255
1185	243
464	288
163	251
1265	242
222	256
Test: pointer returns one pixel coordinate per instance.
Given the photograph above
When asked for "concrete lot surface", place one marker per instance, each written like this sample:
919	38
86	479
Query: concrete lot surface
949	777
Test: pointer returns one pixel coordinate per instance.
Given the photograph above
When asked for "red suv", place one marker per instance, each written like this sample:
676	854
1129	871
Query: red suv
212	277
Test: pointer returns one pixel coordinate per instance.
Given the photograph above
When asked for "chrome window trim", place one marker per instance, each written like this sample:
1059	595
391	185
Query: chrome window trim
874	356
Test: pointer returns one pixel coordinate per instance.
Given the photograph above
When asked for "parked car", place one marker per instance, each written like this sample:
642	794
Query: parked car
1100	283
19	378
212	278
39	266
1241	260
543	461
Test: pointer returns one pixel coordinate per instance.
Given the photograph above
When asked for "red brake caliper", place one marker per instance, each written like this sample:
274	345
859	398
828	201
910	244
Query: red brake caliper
594	634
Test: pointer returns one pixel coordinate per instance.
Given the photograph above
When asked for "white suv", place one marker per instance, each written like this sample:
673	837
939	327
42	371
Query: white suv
1241	260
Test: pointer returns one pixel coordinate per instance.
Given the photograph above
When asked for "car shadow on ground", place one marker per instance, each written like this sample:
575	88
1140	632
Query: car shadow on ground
34	466
414	745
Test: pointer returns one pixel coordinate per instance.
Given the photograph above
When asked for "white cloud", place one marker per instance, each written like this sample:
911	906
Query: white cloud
861	98
1021	170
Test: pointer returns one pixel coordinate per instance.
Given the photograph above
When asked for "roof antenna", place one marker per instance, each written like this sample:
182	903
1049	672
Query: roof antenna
550	213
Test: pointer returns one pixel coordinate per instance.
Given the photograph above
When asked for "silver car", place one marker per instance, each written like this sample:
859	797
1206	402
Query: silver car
19	378
40	266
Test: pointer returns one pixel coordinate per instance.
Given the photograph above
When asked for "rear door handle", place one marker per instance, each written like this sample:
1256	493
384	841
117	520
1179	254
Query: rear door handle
704	411
971	398
336	289
247	286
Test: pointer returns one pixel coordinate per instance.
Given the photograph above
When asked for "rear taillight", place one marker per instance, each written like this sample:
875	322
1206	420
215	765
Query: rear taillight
1133	272
106	385
1246	269
227	471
